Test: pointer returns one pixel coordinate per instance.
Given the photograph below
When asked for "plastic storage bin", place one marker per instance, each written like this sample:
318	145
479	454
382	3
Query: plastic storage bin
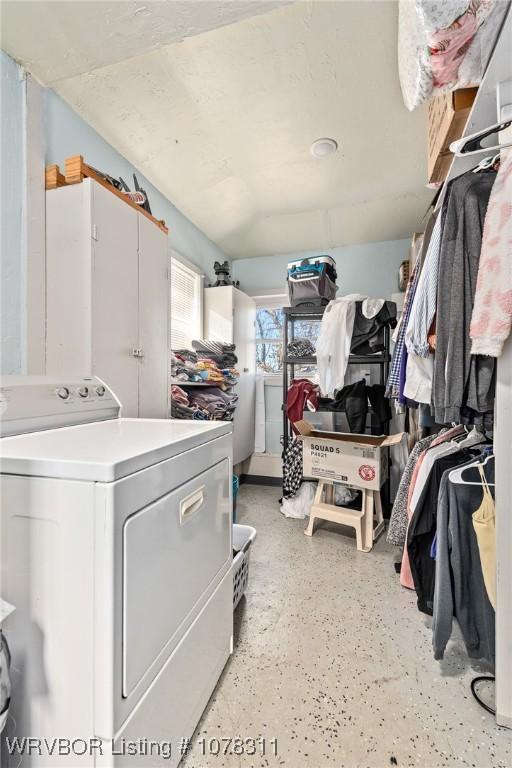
312	281
243	537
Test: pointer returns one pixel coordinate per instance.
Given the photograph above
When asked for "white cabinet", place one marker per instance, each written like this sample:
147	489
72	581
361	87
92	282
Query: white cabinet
230	316
106	296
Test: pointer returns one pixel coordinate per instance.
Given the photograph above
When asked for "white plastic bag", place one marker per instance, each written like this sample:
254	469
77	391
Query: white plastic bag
343	495
299	506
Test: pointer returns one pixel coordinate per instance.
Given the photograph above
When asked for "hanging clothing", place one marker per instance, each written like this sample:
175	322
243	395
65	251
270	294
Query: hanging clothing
420	363
397	529
460	379
302	395
492	312
371	317
439	448
422	528
444	436
459	584
292	468
334	342
424	306
485	528
353	400
393	383
381	409
418	378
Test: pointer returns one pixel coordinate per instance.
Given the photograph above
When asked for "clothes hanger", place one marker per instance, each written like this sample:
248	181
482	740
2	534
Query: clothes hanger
487	162
472	145
455	475
473	438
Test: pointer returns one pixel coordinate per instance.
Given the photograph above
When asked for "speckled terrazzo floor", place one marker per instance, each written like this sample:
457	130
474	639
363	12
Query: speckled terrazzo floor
334	661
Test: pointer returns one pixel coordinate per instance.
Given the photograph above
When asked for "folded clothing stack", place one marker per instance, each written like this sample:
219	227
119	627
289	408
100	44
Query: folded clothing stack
210	372
184	366
218	352
178	395
301	348
208	403
188	367
215	402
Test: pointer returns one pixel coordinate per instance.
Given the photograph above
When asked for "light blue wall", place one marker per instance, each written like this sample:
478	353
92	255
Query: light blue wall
67	134
371	268
11	211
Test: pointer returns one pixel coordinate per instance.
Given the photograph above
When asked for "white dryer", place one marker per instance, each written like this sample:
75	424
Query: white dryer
116	549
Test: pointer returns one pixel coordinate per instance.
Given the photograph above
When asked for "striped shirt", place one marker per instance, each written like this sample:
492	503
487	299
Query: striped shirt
393	385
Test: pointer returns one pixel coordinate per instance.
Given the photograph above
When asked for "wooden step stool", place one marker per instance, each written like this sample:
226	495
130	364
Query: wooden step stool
367	521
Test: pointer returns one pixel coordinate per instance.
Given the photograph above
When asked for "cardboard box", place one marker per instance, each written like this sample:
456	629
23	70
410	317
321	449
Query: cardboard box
447	117
358	460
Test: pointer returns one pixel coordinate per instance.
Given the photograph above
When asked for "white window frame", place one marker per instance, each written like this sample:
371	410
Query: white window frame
270	301
195	321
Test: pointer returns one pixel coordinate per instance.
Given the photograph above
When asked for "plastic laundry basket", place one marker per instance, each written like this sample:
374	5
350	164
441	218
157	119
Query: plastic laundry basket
243	537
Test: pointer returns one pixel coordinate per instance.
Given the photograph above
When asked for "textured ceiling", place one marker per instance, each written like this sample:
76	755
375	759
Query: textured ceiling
56	39
222	122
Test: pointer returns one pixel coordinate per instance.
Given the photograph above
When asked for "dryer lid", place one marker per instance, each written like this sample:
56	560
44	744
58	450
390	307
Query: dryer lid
104	451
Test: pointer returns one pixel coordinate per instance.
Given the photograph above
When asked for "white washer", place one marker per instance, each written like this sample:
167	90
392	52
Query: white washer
116	549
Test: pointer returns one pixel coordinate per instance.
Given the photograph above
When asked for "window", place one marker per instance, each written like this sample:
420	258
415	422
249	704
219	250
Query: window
186	299
269	340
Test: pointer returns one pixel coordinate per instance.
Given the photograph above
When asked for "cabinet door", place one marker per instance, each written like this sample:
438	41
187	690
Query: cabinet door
115	301
218	314
153	321
244	333
68	281
245	339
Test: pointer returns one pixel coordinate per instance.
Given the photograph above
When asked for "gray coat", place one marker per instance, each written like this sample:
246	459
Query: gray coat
459	586
459	378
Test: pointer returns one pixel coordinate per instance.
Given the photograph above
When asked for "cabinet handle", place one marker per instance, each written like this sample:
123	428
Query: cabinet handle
246	370
191	504
136	352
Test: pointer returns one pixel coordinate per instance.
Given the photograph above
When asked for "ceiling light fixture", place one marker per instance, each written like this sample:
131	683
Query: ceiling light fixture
323	147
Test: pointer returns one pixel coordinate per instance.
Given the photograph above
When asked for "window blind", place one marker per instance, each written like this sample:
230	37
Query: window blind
185	305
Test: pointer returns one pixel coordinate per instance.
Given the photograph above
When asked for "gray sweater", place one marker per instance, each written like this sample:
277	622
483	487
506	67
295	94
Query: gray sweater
459	378
459	586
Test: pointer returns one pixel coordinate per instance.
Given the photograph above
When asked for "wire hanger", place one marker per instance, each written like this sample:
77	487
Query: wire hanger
472	145
455	475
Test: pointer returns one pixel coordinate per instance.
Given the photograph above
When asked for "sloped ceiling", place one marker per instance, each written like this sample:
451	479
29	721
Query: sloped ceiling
58	39
222	122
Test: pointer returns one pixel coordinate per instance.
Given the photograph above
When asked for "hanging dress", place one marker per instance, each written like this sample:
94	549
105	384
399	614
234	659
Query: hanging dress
485	529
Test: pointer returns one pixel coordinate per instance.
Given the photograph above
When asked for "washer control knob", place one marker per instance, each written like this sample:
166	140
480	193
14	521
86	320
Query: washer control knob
100	391
63	393
83	391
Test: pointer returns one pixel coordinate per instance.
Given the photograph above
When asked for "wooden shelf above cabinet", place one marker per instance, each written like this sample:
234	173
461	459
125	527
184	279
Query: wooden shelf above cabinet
76	171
